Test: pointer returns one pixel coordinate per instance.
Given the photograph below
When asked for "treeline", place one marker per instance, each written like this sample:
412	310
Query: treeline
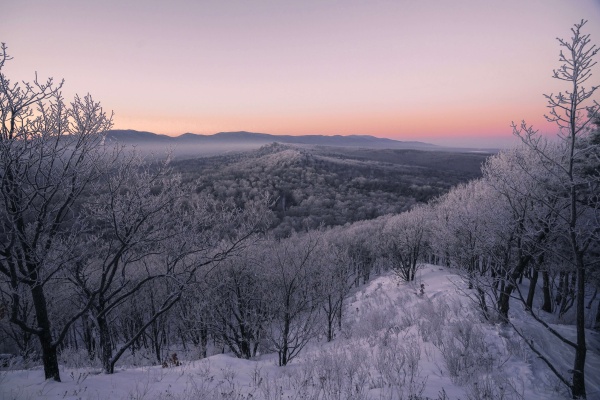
535	214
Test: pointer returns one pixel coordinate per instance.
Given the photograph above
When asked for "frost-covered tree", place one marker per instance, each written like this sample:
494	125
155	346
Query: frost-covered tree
50	153
335	277
238	304
465	233
523	227
404	240
87	228
574	112
137	224
11	335
193	316
173	243
459	228
294	302
362	248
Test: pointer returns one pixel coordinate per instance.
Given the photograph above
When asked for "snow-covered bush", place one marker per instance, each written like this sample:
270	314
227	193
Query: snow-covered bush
372	321
495	387
464	350
397	366
338	374
71	357
433	317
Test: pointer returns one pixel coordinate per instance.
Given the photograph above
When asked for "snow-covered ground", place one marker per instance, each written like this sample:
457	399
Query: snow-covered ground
395	344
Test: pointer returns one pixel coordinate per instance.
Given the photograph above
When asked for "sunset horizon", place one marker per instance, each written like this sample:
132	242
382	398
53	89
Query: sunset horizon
488	142
452	74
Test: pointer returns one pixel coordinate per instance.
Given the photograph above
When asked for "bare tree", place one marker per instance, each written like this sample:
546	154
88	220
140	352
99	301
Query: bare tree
50	152
294	302
574	113
470	237
21	339
335	277
404	238
525	227
459	232
239	304
361	249
194	316
136	225
87	227
154	244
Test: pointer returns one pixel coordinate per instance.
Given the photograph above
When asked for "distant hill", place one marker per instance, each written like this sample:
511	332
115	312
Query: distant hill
233	138
128	136
314	185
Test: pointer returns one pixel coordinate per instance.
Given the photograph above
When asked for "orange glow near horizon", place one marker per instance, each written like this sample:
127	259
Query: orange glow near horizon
451	73
461	124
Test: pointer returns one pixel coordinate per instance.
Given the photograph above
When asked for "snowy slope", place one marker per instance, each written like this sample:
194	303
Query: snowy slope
395	343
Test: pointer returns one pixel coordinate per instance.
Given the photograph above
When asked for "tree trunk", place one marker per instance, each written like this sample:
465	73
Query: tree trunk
330	319
532	286
88	338
366	273
581	350
592	299
283	352
547	306
483	303
105	344
49	353
245	338
340	308
203	339
560	290
156	341
503	300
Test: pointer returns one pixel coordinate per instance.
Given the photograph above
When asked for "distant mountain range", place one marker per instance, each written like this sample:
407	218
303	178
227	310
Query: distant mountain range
242	137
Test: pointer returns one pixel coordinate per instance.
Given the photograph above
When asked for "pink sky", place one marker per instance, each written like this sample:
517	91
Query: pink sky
444	72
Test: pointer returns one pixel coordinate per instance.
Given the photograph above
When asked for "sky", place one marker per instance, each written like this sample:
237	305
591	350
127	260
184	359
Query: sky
444	72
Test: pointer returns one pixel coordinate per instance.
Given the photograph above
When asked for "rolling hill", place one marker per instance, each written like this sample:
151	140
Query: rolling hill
191	144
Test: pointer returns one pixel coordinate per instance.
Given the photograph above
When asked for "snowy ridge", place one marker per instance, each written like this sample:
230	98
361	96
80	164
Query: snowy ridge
280	159
395	343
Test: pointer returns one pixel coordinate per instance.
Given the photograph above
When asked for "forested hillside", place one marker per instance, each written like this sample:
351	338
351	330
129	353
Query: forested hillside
313	186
